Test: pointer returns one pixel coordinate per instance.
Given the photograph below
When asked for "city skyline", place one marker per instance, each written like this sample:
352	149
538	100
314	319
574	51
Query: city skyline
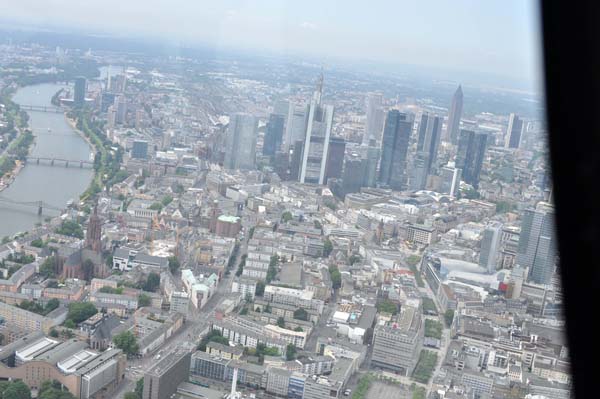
499	40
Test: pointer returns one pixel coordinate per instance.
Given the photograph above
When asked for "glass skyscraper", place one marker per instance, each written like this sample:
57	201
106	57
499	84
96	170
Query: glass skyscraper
394	148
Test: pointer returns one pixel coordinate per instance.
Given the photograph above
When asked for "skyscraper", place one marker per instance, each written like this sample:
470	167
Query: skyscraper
296	159
375	116
240	142
537	243
316	142
273	134
514	131
296	125
372	161
354	173
470	155
394	147
335	158
454	115
430	130
120	107
490	246
79	91
419	171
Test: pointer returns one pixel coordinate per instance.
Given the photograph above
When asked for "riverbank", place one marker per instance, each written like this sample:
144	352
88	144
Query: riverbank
107	160
19	146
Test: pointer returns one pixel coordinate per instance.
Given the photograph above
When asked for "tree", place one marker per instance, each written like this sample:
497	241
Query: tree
413	260
47	269
317	224
51	305
38	243
298	329
301	314
16	390
156	207
241	265
387	306
449	317
280	322
433	329
179	189
69	323
152	282
290	352
355	258
327	247
336	277
144	300
139	388
127	342
167	199
330	204
130	395
212	336
53	333
174	264
80	311
53	390
260	288
70	228
272	270
286	216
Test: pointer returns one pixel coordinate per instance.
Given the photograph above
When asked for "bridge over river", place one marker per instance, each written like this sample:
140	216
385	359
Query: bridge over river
61	161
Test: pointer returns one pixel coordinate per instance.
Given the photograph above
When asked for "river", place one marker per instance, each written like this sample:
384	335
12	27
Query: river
54	185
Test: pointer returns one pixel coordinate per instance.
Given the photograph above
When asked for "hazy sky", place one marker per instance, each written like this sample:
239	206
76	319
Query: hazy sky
494	36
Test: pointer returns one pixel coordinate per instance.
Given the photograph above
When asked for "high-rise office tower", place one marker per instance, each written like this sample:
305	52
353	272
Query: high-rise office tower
79	91
470	155
354	173
490	246
316	142
295	125
450	180
537	243
118	83
454	115
120	106
394	148
111	116
375	116
514	131
240	142
335	158
372	157
273	134
106	101
430	131
296	159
